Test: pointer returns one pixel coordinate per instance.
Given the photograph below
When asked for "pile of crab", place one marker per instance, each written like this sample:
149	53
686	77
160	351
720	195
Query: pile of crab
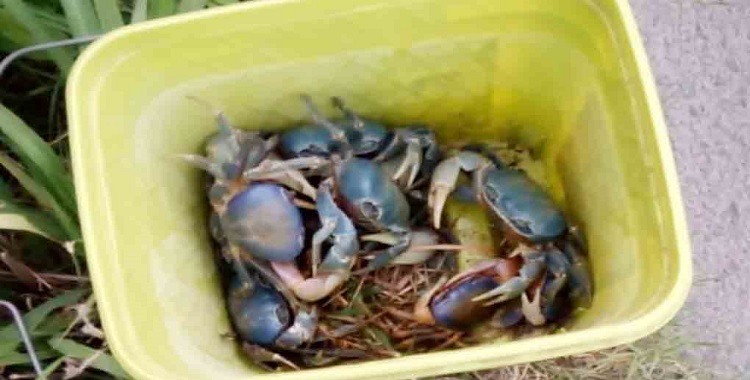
342	240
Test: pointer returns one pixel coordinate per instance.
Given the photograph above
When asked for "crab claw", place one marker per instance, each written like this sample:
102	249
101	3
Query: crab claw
532	309
301	331
444	180
310	289
534	264
336	267
410	164
422	312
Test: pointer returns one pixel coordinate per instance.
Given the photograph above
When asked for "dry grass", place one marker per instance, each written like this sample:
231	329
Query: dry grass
657	357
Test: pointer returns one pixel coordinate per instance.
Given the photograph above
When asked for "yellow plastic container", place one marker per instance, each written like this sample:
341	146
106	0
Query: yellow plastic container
566	77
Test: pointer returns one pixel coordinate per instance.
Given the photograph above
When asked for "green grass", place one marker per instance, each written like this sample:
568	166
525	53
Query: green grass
43	264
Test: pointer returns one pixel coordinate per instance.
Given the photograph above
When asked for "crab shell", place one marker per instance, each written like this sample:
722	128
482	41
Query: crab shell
524	208
262	220
258	312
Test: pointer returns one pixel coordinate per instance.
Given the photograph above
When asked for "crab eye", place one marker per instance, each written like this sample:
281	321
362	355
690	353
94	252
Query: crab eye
368	145
370	210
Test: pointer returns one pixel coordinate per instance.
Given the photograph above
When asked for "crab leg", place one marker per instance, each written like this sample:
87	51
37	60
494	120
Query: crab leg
292	179
357	122
202	163
320	236
381	259
424	243
578	276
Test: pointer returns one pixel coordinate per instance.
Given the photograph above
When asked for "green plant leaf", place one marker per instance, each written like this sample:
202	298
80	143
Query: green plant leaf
5	192
54	324
161	8
81	17
24	15
42	196
52	19
24	218
109	14
103	361
381	337
13	31
225	2
140	11
48	370
16	358
191	5
9	336
42	162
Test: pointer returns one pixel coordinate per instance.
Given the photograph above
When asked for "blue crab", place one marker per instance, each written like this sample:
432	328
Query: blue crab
264	313
534	280
407	151
253	212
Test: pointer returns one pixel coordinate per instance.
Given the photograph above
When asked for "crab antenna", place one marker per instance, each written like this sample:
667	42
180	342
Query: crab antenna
339	103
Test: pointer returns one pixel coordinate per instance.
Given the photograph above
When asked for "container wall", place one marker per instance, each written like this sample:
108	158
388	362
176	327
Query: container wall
551	74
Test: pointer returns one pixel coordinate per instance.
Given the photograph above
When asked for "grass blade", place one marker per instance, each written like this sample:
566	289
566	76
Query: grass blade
161	8
16	358
52	368
13	31
24	15
140	11
9	336
191	5
52	20
30	219
81	17
5	192
97	358
53	325
43	164
42	196
109	14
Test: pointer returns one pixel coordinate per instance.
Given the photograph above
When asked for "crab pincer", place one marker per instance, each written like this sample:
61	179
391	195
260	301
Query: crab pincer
336	228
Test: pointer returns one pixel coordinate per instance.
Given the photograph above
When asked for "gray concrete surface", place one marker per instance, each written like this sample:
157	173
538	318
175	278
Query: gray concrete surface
700	56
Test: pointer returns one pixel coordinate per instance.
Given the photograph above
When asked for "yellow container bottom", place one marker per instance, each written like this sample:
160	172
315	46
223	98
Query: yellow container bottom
568	78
